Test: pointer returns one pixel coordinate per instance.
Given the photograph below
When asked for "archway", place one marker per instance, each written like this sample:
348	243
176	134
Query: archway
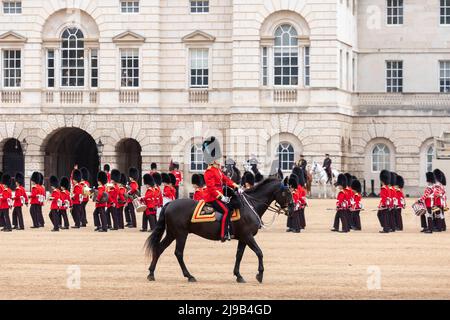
67	147
129	155
13	159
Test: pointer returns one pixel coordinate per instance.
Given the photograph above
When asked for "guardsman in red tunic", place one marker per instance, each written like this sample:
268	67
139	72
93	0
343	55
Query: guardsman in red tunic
6	202
349	194
121	200
356	205
428	199
113	192
342	205
34	199
173	186
133	192
85	185
107	170
77	198
401	203
179	178
440	198
42	196
151	201
2	221
392	202
293	221
168	191
101	199
20	199
56	203
385	201
199	187
66	203
159	192
301	193
215	181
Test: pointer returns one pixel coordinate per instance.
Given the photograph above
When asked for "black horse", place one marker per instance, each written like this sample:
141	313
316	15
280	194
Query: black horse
233	172
175	219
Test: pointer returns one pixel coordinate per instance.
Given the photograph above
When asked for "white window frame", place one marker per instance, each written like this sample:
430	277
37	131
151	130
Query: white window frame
16	9
208	55
199	6
3	71
138	71
444	76
47	68
398	16
307	66
92	68
429	156
382	147
285	165
265	66
292	50
196	153
85	77
393	66
130	7
444	5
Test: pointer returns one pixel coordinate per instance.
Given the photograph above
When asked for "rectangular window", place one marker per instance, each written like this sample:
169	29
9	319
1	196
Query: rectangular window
199	69
307	66
51	68
265	66
394	76
129	6
12	70
394	12
12	7
444	77
94	68
129	59
199	6
445	12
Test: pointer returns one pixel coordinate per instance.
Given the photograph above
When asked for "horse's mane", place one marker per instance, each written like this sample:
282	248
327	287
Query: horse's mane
262	184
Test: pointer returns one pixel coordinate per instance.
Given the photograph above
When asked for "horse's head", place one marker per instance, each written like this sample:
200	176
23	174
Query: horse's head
283	198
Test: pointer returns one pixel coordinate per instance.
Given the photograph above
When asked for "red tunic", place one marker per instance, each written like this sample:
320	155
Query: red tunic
199	194
158	196
20	197
357	206
121	197
113	193
83	184
341	201
179	176
151	201
101	190
301	194
65	199
5	195
77	194
34	197
215	179
349	194
428	197
42	195
384	198
56	200
133	190
439	195
169	192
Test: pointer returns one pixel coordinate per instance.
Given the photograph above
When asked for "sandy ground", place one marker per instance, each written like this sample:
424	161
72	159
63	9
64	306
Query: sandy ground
316	264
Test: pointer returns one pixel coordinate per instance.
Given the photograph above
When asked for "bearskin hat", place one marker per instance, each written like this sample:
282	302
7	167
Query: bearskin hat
195	180
430	177
400	182
349	178
115	175
35	177
385	177
19	178
173	179
440	177
158	179
341	180
153	166
54	182
148	180
102	177
258	177
123	179
202	180
133	173
393	180
165	178
106	168
249	178
85	175
293	181
41	179
6	180
65	183
77	175
356	186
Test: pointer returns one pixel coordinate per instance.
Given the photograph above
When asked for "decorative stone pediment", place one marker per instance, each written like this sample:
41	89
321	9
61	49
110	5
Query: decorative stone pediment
128	37
12	37
198	37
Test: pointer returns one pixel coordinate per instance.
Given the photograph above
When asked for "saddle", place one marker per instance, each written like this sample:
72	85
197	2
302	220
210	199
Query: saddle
205	213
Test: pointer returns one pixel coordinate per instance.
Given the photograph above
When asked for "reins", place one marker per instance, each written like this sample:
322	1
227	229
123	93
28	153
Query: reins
277	210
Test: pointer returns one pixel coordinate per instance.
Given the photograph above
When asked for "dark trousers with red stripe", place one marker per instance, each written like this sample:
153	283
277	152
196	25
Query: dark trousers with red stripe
4	214
100	218
83	218
149	219
399	219
64	218
341	215
221	207
34	208
120	222
76	214
55	218
131	215
17	218
383	217
40	216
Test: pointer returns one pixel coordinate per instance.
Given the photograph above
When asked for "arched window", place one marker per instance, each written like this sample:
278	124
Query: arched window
197	160
286	56
381	158
430	156
285	156
72	58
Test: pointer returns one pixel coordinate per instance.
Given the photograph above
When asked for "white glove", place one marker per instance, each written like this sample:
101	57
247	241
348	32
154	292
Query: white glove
225	199
241	190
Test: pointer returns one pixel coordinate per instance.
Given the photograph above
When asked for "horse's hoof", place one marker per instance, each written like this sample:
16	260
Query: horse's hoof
259	277
192	279
151	277
240	280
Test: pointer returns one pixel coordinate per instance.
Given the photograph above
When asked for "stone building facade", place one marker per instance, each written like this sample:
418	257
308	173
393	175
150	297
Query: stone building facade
366	81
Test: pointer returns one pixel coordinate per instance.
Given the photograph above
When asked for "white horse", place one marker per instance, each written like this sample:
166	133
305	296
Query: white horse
320	177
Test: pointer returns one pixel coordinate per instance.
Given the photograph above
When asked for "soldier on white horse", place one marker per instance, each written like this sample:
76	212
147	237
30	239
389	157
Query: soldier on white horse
321	178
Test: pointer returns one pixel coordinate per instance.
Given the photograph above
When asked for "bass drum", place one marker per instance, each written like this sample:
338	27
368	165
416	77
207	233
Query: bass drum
139	206
419	209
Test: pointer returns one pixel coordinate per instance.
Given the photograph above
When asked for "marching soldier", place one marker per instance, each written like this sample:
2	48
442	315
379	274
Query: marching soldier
392	201
169	193
427	199
151	201
198	184
401	204
34	199
55	205
440	197
77	198
349	194
42	196
20	199
133	192
178	179
66	204
100	199
384	205
113	192
85	184
6	202
356	205
121	200
159	192
341	205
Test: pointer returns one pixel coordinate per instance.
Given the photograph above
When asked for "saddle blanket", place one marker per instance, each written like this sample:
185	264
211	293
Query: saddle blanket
206	213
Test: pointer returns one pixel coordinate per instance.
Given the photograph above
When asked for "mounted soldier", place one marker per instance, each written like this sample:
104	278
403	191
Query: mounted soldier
327	166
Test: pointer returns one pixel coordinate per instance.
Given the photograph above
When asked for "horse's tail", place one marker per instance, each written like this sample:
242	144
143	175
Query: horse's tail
154	239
